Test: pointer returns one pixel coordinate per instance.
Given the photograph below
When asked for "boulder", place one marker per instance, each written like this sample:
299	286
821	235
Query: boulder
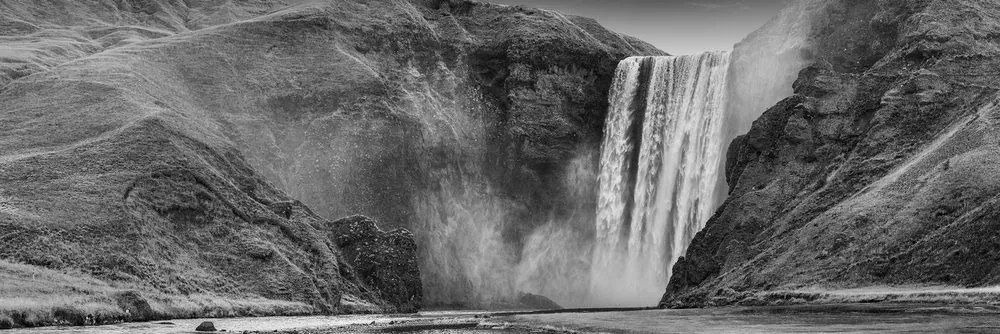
383	261
538	302
206	326
136	307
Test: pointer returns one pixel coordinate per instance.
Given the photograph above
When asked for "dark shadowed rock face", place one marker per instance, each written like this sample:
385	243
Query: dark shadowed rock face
537	302
385	261
882	169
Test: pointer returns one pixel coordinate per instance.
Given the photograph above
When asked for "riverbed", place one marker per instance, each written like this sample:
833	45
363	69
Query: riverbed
844	318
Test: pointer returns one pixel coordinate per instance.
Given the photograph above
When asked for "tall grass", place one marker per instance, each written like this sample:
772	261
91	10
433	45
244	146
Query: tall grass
32	296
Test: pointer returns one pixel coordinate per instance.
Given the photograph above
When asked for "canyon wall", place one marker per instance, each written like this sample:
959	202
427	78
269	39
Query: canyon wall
880	169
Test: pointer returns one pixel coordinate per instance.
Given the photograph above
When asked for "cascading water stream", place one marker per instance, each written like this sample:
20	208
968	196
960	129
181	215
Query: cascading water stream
659	171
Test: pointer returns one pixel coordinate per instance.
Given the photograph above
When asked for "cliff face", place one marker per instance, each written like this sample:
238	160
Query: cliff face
160	146
518	178
881	169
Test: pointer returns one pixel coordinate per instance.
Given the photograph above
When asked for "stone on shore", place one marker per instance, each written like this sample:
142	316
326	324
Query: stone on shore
206	326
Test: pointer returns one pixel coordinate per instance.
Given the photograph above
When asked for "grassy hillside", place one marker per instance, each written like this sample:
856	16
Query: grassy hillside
121	179
153	152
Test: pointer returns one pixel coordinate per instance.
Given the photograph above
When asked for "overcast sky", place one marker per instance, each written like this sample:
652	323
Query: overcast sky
675	26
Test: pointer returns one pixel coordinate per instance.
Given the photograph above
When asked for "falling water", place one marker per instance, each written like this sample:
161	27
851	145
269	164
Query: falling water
659	169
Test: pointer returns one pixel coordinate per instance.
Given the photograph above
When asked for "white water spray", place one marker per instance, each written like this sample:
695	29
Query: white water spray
659	168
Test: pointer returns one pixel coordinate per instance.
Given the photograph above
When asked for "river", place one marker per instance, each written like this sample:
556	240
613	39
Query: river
845	318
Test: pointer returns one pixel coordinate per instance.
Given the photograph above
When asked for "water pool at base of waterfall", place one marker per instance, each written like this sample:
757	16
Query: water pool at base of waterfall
840	318
858	319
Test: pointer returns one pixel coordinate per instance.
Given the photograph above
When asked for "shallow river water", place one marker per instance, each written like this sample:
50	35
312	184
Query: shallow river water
753	320
807	319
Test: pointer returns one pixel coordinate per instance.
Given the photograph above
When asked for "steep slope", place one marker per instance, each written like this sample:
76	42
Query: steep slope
112	171
881	170
154	156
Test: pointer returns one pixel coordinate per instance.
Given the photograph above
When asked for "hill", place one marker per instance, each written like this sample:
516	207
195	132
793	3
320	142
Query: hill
164	158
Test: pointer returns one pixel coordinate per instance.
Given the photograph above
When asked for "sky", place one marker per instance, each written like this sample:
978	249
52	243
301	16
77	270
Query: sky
675	26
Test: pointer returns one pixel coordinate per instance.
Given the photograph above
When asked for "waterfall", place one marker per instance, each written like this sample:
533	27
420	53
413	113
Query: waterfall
660	163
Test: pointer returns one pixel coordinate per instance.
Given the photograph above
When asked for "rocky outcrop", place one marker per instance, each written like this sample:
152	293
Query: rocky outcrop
206	326
385	261
881	170
537	302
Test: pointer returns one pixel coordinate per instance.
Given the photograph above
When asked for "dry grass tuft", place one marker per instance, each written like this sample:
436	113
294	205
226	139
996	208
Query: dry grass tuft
6	322
32	296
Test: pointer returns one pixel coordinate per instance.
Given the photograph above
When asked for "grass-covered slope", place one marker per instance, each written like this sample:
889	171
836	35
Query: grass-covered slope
118	176
39	35
882	170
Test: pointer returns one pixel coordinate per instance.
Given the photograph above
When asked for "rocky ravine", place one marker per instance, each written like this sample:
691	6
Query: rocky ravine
882	170
151	152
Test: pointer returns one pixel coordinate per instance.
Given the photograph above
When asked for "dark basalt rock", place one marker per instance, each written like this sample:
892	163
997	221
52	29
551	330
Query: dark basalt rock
206	326
384	261
538	302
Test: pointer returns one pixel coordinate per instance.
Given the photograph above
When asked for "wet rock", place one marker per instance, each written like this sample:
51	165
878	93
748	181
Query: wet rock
538	302
206	326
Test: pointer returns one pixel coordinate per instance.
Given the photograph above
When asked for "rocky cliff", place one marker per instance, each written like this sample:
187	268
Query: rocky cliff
154	152
880	170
